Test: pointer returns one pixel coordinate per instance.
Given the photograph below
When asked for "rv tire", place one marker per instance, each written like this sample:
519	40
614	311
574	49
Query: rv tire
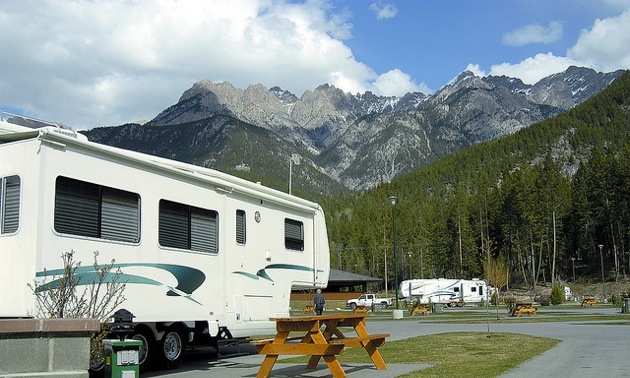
148	347
172	348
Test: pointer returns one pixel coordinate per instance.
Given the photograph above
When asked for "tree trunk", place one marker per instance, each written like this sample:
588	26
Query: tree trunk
553	262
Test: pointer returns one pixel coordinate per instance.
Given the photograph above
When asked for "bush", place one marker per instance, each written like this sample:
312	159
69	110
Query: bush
544	299
557	295
495	299
62	294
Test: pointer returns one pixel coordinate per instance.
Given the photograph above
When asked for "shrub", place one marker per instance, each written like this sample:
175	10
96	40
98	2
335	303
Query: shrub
557	295
78	292
495	299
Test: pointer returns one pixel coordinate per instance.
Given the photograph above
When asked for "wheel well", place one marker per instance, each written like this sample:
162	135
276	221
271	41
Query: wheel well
144	328
178	326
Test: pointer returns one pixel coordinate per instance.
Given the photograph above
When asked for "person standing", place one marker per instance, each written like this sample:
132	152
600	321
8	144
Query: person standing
319	302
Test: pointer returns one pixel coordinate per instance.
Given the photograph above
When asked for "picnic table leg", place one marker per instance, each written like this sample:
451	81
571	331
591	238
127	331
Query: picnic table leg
267	365
369	346
375	355
313	361
335	366
318	338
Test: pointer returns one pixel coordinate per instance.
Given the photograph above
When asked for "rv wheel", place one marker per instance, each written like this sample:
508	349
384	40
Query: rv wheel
147	349
172	349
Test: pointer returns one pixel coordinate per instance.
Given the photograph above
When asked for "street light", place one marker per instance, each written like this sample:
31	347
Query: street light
392	201
410	254
294	159
601	261
573	264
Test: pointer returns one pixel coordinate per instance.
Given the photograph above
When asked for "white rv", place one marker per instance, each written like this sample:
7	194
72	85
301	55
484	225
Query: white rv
445	290
205	256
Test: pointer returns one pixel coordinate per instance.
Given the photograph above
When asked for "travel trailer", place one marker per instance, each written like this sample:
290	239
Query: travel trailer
205	256
445	291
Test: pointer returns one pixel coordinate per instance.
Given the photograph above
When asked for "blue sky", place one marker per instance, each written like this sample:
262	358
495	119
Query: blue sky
98	63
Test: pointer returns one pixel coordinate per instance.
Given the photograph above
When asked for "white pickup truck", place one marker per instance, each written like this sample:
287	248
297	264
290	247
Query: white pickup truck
368	300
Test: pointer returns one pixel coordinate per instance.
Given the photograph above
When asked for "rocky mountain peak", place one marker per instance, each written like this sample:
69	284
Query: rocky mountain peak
361	139
465	80
284	96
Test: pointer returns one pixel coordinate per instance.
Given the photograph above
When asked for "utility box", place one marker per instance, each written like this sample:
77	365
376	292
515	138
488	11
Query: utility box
122	358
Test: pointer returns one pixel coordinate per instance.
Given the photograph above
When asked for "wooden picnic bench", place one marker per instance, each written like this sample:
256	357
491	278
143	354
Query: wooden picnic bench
361	309
419	308
521	308
588	302
320	337
308	309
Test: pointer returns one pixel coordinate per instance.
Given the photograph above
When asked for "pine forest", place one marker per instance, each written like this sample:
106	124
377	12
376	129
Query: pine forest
550	203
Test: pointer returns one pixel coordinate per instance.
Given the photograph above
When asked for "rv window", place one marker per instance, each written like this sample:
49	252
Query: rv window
240	227
86	209
293	235
9	204
456	289
473	289
188	227
480	290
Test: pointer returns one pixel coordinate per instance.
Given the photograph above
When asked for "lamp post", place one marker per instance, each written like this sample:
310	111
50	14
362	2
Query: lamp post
392	201
601	262
294	159
410	254
573	265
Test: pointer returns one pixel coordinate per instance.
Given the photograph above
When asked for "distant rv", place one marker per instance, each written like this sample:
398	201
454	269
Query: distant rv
205	256
446	291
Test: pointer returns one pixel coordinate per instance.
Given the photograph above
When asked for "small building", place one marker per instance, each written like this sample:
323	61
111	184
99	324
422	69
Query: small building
344	285
342	281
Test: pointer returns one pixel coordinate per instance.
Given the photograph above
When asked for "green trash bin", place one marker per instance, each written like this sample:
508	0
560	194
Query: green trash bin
122	358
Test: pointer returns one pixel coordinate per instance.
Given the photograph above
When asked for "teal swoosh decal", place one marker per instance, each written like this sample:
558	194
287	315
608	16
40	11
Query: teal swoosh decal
253	276
91	277
290	267
262	273
188	279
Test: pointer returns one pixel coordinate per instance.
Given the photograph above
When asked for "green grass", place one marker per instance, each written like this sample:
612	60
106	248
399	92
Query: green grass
462	354
465	354
475	315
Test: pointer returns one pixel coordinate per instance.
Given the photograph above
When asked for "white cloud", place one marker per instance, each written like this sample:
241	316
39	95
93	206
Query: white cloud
534	34
476	70
606	46
90	64
397	83
531	70
384	11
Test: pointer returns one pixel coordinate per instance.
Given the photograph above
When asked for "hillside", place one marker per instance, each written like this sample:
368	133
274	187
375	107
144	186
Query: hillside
212	142
346	141
503	201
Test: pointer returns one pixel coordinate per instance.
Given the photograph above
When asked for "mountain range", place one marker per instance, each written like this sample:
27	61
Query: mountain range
338	140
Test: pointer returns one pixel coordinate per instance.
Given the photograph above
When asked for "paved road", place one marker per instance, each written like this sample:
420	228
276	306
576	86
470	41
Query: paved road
588	349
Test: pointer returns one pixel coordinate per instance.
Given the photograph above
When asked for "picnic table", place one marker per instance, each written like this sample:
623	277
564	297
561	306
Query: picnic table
419	308
361	309
521	308
320	337
588	302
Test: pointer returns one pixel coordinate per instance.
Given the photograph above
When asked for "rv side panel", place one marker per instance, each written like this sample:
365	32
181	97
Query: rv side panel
19	200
